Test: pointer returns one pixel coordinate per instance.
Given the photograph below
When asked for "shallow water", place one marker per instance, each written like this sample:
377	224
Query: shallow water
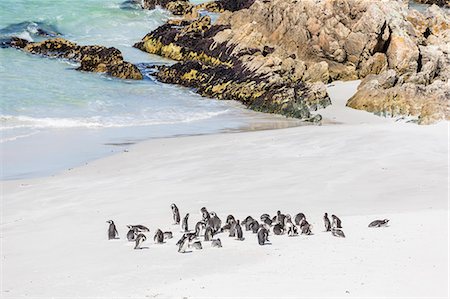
53	117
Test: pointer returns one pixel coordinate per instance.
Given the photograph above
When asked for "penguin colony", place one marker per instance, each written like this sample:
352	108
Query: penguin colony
210	226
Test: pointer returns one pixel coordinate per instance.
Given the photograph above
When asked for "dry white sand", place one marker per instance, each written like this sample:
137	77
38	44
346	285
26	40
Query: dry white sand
54	232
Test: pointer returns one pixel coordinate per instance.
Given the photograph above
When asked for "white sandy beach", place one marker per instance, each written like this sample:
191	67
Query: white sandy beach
54	241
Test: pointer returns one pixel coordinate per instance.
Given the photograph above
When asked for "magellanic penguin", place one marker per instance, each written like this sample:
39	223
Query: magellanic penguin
216	243
299	218
139	240
199	228
254	226
247	222
263	236
305	227
337	232
112	231
327	222
139	228
208	234
214	222
159	237
131	235
278	229
205	214
290	227
232	232
239	233
183	244
184	223
379	223
175	214
336	221
229	219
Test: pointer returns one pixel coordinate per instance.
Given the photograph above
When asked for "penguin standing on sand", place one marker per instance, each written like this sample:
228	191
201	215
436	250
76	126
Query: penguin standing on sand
327	222
263	236
254	226
175	214
239	233
247	222
208	234
215	222
232	229
159	237
205	214
199	228
290	227
299	218
305	227
183	244
336	221
278	229
379	223
139	240
112	231
131	235
184	223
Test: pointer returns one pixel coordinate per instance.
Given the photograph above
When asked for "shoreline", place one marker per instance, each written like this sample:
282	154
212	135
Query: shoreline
335	168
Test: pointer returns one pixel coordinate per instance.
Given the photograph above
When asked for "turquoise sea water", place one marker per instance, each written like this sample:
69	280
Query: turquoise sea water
53	117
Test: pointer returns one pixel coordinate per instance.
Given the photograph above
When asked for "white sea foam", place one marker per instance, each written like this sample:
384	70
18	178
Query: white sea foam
11	122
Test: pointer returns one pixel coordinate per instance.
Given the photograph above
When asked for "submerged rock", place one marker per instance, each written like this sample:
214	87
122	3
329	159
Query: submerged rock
92	58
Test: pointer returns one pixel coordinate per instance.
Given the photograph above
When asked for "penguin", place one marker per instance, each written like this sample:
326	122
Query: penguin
280	218
168	235
199	228
131	235
139	240
139	228
278	229
263	236
254	226
159	236
184	224
205	214
232	229
247	222
327	222
175	214
214	222
298	218
197	245
229	219
208	233
267	221
183	244
290	227
239	233
337	233
112	231
305	227
264	216
336	221
216	243
379	223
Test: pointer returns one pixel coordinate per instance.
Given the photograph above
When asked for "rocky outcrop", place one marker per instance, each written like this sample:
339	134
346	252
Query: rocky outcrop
91	58
445	3
216	71
321	41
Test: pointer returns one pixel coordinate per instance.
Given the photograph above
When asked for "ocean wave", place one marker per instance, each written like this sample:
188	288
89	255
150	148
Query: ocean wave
12	122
